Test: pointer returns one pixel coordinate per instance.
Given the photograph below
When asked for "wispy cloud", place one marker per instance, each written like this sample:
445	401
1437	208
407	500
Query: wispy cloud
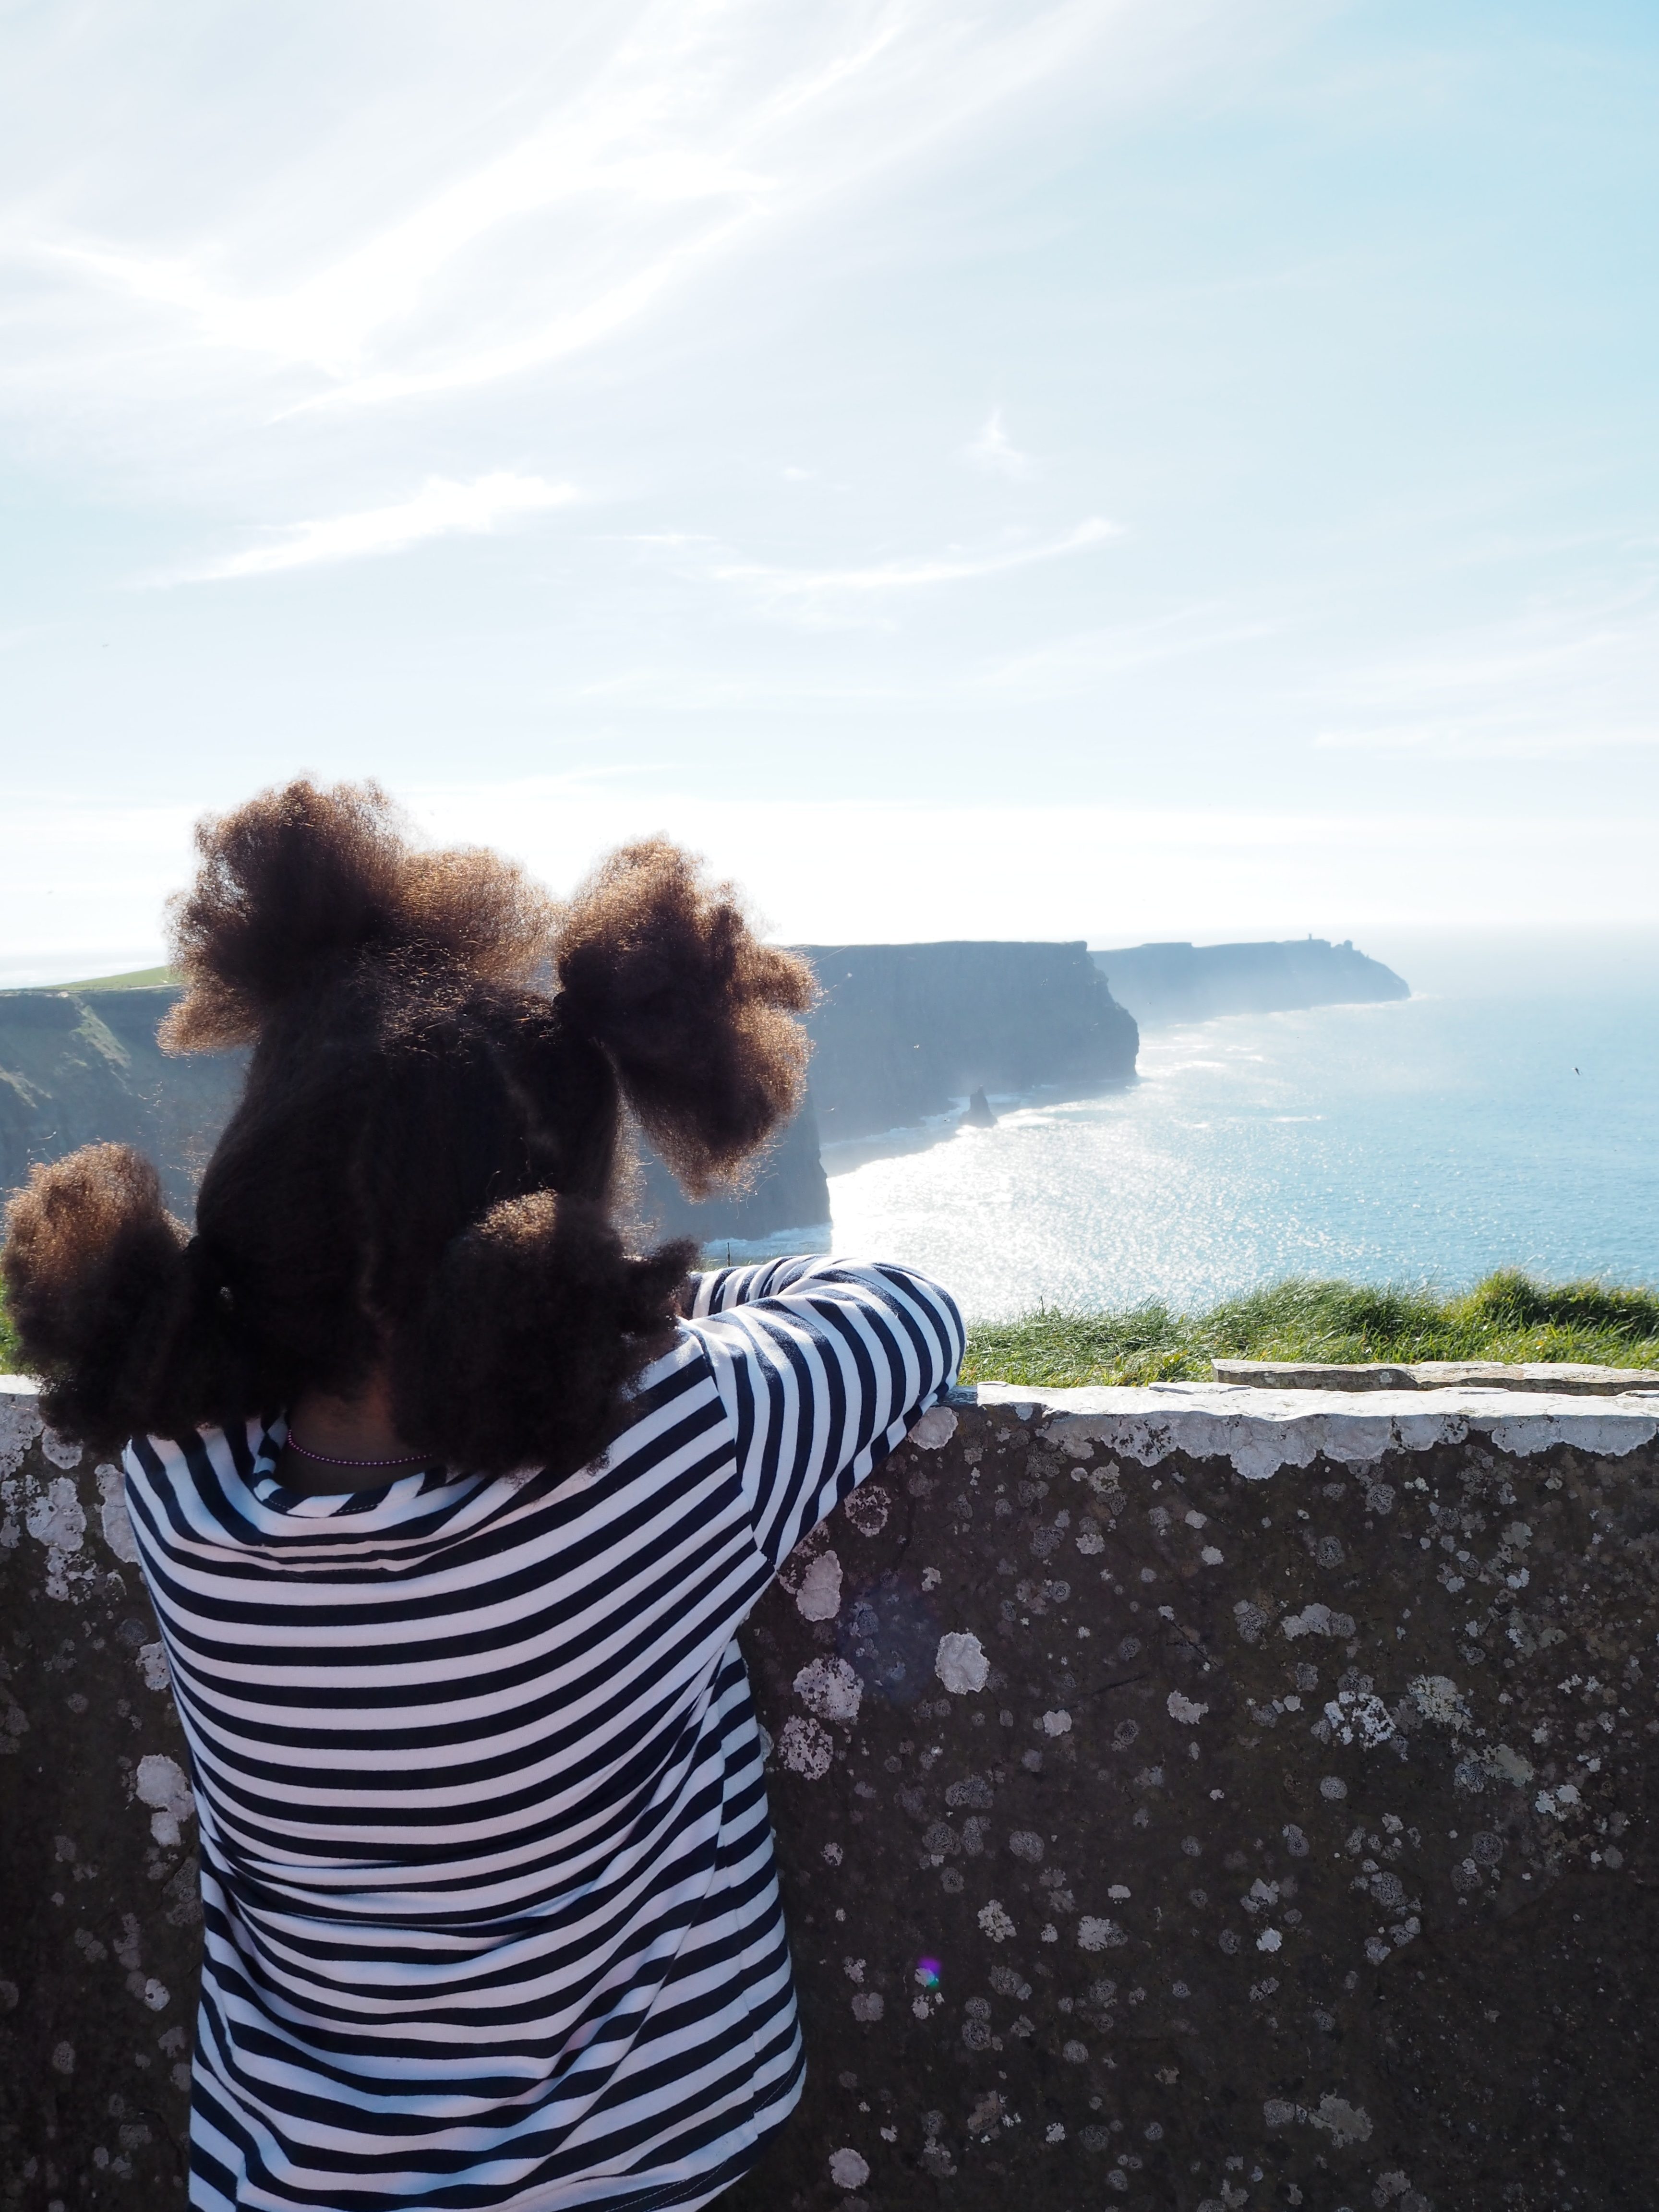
538	218
1497	737
1560	681
441	508
915	574
996	453
1079	666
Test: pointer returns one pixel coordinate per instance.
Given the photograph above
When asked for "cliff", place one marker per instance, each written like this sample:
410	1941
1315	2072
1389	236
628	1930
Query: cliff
82	1068
1195	1797
903	1030
1162	983
787	1191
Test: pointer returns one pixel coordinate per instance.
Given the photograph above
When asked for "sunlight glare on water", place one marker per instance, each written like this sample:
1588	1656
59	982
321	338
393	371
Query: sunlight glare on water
1428	1140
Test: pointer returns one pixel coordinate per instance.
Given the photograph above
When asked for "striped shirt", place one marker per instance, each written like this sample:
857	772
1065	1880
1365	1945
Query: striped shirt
492	1916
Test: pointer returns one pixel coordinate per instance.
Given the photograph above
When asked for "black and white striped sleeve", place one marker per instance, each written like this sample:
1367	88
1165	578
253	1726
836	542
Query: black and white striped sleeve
821	1365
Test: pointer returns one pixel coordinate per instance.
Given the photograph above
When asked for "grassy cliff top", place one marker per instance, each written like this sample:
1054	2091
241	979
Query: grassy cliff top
136	979
1508	1317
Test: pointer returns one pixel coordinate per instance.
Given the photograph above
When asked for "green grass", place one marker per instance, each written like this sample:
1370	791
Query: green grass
136	979
1508	1317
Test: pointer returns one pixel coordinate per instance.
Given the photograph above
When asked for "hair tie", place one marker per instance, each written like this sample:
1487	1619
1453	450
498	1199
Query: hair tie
206	1273
569	1016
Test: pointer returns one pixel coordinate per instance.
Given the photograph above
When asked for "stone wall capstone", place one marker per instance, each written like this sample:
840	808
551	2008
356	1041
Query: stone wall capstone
1196	1797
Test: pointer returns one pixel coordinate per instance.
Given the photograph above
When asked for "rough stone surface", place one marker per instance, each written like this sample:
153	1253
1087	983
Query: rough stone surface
1296	1848
99	1935
1557	1379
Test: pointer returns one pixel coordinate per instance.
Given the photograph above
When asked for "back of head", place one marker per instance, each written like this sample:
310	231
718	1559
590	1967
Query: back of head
420	1176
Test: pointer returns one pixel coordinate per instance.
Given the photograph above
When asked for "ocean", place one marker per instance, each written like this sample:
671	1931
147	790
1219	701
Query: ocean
1503	1116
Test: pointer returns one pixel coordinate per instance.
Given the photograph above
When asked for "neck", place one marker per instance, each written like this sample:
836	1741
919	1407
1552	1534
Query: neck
360	1427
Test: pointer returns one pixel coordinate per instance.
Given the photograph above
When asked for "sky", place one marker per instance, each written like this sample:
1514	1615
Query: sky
1118	469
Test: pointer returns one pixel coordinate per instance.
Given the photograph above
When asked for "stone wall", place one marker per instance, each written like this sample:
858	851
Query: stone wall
1194	1797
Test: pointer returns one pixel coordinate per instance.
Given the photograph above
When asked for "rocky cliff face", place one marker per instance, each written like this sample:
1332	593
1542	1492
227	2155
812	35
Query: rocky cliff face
788	1191
904	1028
1162	983
1193	1799
82	1068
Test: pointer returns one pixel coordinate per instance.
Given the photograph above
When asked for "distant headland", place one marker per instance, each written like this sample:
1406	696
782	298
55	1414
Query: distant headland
1177	982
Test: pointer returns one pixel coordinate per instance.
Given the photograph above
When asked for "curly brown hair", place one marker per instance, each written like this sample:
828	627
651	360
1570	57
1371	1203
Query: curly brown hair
422	1173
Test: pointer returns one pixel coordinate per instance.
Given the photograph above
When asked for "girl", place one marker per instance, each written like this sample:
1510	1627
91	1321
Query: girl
450	1504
